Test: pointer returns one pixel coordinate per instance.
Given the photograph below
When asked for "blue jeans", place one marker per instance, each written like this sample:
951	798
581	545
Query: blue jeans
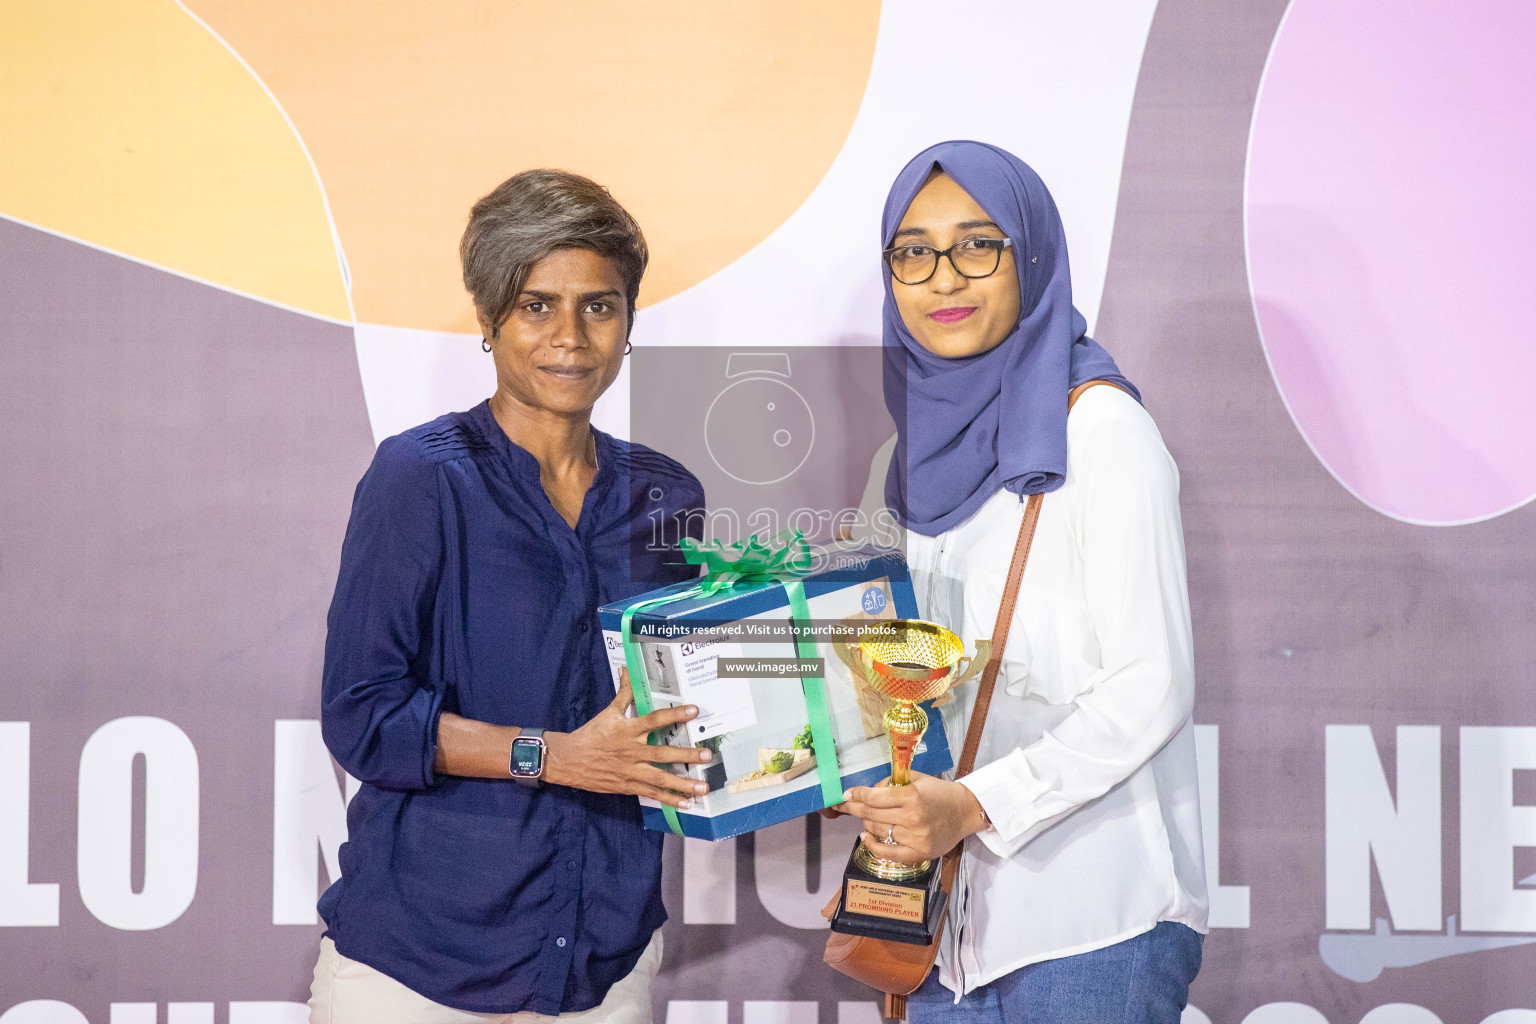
1143	980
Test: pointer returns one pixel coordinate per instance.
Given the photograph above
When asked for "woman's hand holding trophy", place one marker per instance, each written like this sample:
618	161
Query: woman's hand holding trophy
890	887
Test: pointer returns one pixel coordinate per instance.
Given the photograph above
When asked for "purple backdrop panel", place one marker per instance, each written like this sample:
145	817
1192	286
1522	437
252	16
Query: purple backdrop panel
178	469
1340	654
1392	244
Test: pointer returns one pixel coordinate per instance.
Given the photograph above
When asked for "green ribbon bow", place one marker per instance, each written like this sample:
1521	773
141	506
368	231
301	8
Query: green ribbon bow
748	563
786	557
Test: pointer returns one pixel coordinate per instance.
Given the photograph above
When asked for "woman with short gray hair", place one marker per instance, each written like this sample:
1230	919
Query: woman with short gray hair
533	214
495	861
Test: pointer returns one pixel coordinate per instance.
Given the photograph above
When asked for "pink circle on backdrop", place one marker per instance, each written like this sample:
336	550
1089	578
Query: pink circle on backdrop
1391	232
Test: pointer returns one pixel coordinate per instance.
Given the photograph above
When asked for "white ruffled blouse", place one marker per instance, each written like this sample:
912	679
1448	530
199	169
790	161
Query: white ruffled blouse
1087	763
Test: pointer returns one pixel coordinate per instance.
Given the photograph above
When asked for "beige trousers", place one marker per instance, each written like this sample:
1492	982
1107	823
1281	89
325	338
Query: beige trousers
347	992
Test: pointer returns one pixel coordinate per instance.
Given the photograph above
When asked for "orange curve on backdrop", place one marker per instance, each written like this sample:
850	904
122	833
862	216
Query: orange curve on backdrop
710	121
127	125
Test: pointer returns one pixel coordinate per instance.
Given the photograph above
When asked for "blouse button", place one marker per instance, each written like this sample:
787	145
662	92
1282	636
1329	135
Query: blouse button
560	942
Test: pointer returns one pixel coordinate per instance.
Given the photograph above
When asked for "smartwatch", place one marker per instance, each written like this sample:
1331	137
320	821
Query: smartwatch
527	765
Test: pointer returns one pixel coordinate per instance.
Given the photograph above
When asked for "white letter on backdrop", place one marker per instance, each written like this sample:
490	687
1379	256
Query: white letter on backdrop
23	904
43	1011
308	814
268	1013
1492	826
170	823
774	1011
702	1011
1401	1013
1285	1013
1229	903
1361	822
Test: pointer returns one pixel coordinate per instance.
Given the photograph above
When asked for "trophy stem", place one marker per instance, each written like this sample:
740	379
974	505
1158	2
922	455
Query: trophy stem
905	724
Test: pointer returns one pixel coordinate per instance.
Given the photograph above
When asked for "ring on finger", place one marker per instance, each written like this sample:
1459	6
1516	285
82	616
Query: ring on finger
890	836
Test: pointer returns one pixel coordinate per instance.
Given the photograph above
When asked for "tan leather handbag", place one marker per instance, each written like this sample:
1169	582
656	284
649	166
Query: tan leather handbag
899	968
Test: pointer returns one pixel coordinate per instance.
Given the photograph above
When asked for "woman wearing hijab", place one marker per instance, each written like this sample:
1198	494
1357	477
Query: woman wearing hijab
1081	893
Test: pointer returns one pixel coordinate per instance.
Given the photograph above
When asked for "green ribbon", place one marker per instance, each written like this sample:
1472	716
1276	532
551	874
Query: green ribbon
815	702
748	563
637	681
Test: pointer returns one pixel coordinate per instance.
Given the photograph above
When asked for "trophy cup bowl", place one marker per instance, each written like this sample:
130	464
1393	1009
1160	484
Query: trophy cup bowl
907	661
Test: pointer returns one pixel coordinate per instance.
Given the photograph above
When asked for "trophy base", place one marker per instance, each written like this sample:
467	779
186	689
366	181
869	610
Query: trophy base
907	910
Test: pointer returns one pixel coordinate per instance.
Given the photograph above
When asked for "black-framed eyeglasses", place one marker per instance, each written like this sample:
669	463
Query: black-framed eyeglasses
971	257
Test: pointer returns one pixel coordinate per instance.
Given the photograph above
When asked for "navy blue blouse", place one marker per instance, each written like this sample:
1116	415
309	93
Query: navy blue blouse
463	590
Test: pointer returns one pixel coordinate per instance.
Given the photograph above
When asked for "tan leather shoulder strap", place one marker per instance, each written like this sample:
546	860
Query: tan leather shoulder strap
1005	611
1000	640
1000	635
989	675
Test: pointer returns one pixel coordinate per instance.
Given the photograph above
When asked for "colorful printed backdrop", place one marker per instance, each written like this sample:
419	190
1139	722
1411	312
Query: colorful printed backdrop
228	268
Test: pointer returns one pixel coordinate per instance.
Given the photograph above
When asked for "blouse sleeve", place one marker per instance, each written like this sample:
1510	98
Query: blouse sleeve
1134	582
378	720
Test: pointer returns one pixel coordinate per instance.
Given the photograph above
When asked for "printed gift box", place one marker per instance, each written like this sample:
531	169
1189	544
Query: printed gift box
789	725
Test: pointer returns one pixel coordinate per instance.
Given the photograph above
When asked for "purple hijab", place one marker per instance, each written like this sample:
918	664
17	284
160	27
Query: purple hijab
967	428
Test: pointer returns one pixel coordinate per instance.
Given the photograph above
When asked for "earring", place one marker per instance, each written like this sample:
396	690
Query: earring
485	343
629	347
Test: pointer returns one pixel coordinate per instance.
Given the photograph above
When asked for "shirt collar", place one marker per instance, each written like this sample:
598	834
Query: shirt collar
609	450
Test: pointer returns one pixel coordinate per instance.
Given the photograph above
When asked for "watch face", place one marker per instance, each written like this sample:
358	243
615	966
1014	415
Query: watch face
527	757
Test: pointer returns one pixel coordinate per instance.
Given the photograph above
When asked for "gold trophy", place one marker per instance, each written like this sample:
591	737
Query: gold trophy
906	660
